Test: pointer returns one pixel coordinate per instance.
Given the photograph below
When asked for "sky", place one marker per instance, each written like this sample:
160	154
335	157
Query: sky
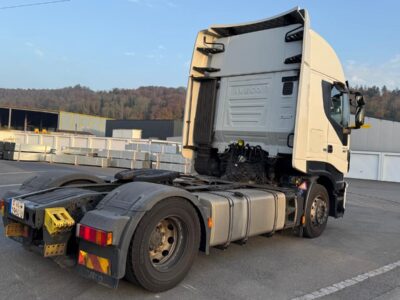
105	44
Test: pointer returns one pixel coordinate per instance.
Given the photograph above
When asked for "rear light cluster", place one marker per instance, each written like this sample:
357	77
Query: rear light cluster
93	235
2	206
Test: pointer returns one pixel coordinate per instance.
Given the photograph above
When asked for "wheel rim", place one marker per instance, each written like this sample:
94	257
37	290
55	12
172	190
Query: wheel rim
165	241
319	211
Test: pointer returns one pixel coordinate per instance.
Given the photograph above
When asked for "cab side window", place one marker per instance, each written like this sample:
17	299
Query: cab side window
339	110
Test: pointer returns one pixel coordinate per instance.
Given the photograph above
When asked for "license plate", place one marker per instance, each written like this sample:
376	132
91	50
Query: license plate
17	208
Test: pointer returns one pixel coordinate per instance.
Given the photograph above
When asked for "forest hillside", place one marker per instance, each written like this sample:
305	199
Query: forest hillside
153	102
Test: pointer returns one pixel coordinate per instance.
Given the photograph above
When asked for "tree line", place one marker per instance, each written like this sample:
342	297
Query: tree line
150	102
154	102
381	103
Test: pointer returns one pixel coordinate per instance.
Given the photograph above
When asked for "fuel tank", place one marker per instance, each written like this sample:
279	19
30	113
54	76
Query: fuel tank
241	213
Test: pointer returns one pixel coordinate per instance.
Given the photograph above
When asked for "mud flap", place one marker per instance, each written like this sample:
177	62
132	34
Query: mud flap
100	278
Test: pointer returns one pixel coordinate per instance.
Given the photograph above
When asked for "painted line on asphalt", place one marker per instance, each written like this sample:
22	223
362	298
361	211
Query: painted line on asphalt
16	173
8	185
190	288
334	288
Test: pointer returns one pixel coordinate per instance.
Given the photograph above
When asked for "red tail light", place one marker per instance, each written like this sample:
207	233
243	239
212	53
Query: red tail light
94	235
2	207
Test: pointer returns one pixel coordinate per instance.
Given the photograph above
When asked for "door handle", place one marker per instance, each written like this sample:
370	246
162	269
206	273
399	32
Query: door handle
330	148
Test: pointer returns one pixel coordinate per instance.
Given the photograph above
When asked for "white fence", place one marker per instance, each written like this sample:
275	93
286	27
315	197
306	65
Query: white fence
96	151
60	141
381	166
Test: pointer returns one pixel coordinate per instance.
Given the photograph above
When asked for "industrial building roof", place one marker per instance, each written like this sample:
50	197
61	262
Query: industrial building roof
49	111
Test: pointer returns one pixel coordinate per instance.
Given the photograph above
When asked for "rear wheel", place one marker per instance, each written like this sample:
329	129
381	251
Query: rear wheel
164	245
317	211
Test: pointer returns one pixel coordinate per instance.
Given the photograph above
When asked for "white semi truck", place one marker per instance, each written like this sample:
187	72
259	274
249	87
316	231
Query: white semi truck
267	125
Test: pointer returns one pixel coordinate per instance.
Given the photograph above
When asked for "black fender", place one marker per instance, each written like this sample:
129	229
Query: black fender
333	180
55	179
123	208
52	179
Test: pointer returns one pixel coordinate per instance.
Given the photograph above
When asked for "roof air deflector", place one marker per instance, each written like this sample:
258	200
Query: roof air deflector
294	16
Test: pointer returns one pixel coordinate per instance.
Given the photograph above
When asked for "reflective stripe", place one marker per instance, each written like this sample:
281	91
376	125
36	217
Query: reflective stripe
94	262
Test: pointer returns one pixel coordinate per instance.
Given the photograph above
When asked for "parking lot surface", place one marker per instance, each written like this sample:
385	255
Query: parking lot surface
357	257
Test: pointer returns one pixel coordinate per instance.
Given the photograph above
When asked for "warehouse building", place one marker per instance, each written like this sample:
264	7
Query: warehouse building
27	119
160	129
375	152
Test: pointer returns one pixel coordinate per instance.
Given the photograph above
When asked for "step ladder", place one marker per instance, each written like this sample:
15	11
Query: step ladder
296	59
291	211
294	35
204	70
211	48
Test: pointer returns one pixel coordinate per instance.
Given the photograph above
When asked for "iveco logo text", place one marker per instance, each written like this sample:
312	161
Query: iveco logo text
248	90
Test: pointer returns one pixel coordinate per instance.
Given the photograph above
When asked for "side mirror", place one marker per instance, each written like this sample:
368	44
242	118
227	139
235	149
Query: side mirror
359	99
360	116
360	110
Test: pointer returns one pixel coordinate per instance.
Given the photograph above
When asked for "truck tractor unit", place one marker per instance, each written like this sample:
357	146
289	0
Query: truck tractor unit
267	126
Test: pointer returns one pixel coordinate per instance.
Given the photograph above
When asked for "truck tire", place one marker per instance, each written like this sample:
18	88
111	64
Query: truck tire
164	245
317	211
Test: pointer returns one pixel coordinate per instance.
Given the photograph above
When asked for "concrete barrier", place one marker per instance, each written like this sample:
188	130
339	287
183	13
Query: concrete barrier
96	151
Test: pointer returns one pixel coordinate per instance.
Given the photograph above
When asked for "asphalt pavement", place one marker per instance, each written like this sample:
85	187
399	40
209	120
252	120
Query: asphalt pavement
357	257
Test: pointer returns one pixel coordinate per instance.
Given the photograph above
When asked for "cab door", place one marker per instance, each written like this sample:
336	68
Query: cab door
321	134
337	110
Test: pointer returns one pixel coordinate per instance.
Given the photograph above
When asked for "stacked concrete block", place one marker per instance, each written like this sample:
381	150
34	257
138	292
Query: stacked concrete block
171	162
124	154
80	151
129	164
23	152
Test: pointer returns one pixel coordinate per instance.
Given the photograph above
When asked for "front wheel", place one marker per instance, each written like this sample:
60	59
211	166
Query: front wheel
317	211
164	245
